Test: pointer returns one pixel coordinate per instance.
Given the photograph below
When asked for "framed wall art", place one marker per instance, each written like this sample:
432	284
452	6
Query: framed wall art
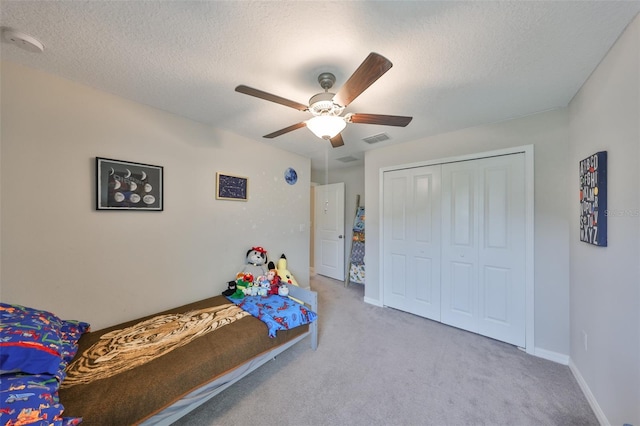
593	199
291	176
230	187
125	185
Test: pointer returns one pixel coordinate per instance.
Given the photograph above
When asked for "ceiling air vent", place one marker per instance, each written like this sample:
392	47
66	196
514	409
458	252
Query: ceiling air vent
377	138
347	159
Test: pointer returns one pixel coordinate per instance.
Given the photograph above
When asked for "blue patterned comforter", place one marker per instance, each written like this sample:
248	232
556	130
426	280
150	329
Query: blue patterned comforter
277	312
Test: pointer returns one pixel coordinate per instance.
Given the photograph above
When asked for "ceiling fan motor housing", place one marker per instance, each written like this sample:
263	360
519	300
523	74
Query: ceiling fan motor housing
322	104
326	80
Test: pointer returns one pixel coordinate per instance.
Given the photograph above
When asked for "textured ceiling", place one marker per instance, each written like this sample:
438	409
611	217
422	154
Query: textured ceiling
456	64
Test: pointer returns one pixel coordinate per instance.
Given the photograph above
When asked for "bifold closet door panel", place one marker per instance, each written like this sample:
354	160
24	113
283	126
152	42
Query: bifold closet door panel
411	235
502	255
484	247
460	245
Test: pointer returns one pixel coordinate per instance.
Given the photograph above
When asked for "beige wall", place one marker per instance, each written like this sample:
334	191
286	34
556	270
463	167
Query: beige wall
58	253
548	133
605	281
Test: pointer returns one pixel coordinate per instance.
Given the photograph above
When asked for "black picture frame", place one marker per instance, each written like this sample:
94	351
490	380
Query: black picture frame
593	199
231	187
127	185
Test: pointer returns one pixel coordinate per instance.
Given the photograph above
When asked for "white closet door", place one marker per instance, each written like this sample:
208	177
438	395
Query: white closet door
411	235
502	255
483	247
460	245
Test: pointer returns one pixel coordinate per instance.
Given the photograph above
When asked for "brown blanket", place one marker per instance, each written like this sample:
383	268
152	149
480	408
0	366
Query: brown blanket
131	396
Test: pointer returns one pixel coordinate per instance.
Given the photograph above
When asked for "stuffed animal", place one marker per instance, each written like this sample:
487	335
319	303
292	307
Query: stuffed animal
263	285
286	277
235	289
274	279
244	283
256	260
231	289
240	287
256	263
284	273
283	290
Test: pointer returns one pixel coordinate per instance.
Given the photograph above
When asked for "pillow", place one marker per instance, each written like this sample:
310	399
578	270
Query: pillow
71	331
31	399
35	341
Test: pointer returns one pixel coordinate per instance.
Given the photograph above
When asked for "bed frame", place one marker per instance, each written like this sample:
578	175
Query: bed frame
151	370
203	394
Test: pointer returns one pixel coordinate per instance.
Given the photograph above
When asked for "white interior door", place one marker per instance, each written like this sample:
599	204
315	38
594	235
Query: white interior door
329	230
484	247
411	234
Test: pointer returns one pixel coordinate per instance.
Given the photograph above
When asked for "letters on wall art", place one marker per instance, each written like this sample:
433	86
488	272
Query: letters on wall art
593	199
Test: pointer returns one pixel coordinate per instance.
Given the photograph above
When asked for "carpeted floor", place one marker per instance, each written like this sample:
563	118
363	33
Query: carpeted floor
379	366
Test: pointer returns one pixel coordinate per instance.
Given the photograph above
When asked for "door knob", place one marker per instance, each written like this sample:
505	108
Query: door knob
339	236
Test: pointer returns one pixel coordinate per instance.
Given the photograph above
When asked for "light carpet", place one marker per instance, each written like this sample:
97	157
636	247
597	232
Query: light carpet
380	366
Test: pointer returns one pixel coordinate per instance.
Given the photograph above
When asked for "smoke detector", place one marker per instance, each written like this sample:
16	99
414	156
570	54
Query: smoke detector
22	40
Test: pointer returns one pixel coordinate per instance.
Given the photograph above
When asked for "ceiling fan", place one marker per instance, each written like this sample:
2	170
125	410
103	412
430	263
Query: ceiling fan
326	107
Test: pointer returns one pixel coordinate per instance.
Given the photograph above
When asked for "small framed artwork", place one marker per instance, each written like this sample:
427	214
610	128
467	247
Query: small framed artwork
125	185
593	199
231	187
291	176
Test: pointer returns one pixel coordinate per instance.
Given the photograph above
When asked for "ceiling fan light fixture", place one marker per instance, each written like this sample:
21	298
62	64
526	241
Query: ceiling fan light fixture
326	126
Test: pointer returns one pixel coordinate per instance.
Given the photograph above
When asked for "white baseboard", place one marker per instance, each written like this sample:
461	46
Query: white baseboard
551	356
587	393
372	301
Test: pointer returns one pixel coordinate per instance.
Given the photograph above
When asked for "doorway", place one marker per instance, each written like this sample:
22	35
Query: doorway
329	239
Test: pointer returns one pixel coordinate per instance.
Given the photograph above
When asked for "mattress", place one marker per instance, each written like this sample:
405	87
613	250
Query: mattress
132	396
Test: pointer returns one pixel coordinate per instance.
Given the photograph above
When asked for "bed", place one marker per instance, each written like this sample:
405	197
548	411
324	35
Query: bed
191	367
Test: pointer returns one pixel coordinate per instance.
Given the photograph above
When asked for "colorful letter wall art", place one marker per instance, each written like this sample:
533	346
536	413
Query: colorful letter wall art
593	199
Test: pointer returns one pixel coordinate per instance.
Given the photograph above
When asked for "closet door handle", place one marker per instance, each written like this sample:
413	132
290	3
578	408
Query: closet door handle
340	236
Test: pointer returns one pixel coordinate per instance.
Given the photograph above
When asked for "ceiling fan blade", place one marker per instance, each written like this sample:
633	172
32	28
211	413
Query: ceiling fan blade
385	120
337	141
373	67
286	130
269	97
